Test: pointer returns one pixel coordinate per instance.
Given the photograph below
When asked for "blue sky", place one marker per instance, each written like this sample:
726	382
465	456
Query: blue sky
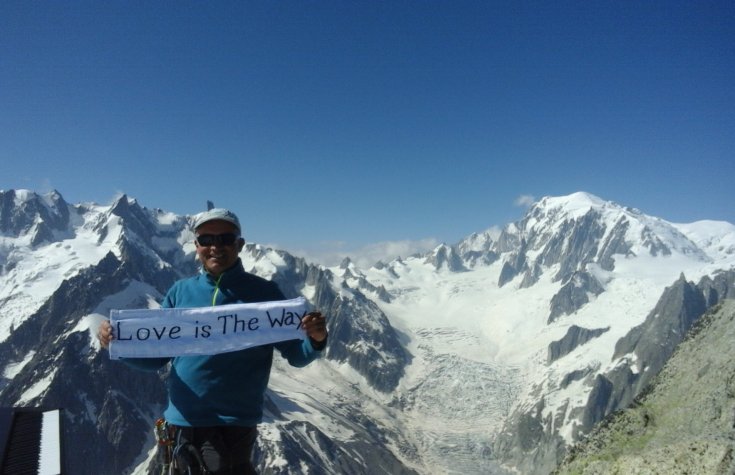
336	125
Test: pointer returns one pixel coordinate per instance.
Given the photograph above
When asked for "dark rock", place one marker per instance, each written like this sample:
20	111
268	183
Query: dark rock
574	294
575	337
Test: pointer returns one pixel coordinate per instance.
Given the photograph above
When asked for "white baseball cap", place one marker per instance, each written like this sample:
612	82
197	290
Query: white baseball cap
216	214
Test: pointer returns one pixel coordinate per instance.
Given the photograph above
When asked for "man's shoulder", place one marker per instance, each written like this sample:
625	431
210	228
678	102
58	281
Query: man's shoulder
256	278
180	292
188	284
183	282
260	287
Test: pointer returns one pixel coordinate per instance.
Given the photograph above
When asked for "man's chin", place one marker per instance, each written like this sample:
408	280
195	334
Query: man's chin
215	268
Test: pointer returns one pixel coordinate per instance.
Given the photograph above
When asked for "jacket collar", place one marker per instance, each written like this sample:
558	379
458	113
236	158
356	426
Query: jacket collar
236	269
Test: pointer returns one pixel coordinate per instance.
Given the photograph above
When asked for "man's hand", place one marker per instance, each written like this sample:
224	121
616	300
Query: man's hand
104	333
315	325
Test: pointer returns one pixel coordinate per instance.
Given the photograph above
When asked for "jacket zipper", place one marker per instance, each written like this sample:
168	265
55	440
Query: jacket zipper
216	290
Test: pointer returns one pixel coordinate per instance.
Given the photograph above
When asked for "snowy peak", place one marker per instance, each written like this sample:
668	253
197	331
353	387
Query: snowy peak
576	202
575	238
37	217
165	234
479	248
444	256
558	214
45	241
580	229
568	233
135	218
716	238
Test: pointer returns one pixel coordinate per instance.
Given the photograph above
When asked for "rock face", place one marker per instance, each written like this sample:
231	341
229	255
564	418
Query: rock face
575	336
445	257
647	347
643	352
684	423
582	239
574	294
38	217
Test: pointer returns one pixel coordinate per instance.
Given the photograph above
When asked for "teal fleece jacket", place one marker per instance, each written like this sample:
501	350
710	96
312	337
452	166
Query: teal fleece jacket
227	388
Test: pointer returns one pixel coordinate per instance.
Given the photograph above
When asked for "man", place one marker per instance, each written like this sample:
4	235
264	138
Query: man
215	402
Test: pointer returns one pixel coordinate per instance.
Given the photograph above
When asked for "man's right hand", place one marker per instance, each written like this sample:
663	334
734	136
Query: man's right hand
104	334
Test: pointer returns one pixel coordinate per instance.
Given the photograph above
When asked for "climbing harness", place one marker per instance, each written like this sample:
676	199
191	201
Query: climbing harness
180	457
163	437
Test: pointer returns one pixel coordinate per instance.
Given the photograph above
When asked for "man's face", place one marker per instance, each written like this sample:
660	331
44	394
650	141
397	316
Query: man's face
218	257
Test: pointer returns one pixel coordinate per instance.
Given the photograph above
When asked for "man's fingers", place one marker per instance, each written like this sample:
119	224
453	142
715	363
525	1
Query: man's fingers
104	334
315	325
314	320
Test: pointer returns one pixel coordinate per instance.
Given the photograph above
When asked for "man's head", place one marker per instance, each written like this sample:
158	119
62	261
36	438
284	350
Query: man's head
217	239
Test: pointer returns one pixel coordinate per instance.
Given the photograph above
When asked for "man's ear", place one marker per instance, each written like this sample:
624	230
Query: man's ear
240	244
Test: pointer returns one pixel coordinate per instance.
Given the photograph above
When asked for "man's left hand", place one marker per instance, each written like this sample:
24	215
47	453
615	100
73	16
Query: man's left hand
315	325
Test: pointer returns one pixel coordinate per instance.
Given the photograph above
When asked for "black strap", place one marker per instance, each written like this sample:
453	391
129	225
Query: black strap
186	459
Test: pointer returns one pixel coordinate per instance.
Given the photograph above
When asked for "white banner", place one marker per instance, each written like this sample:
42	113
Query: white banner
165	332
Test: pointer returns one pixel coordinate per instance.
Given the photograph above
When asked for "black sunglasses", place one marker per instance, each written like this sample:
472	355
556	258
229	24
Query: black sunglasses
227	239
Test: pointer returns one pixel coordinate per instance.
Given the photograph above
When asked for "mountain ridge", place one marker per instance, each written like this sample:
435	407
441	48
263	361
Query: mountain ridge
516	327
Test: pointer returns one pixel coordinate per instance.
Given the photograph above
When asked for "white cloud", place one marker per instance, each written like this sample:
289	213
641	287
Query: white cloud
331	253
525	201
46	186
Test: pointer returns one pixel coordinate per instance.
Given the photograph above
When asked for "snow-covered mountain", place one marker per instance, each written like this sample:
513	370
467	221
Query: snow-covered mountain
487	356
518	329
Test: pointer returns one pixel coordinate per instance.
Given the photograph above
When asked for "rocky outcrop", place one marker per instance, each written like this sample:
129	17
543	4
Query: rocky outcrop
515	264
366	286
40	217
614	244
530	442
574	337
477	249
649	346
684	423
361	336
445	257
639	357
718	288
679	306
646	348
574	244
574	294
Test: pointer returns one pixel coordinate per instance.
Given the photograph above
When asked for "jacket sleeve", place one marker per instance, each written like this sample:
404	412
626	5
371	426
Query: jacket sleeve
146	364
298	353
